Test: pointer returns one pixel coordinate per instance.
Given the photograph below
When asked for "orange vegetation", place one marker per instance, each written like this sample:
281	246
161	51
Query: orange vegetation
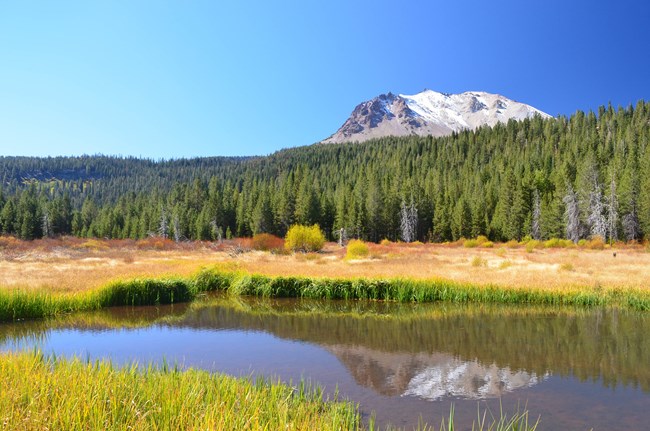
72	264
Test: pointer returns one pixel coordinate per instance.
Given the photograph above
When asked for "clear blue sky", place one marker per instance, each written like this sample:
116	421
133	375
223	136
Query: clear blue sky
163	79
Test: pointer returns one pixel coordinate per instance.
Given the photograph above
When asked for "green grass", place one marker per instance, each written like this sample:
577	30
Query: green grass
20	304
42	392
46	393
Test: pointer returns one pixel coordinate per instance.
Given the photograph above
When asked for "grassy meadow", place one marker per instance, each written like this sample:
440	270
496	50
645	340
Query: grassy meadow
72	265
52	277
46	393
55	277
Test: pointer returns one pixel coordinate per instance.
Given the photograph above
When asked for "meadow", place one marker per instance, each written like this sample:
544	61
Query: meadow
52	277
74	265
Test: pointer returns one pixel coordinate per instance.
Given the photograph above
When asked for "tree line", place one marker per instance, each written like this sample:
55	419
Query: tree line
567	177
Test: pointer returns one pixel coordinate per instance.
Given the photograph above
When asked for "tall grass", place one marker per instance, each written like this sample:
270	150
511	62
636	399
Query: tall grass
46	393
25	304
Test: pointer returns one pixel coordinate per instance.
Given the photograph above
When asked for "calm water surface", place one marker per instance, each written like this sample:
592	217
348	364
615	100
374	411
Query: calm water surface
577	369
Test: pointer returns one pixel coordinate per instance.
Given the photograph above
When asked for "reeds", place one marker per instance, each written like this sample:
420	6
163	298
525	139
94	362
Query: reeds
46	393
28	304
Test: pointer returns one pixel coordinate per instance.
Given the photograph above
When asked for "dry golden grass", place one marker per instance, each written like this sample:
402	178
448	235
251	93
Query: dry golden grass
73	265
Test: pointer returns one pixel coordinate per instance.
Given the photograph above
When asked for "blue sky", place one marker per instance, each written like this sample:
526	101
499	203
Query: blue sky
169	79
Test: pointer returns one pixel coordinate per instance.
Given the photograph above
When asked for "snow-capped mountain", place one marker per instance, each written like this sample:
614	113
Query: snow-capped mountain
429	113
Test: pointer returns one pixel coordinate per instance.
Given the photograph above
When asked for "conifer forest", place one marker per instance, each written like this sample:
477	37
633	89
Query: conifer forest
574	177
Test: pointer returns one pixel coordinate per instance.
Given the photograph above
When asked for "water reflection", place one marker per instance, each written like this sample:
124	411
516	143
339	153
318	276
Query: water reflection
427	350
430	376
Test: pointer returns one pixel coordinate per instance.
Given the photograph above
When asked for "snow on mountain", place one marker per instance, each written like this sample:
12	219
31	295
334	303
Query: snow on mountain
429	113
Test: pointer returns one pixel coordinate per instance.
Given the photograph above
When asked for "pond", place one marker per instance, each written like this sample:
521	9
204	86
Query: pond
576	368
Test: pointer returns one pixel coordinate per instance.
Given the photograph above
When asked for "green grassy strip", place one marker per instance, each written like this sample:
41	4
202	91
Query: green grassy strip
18	304
45	393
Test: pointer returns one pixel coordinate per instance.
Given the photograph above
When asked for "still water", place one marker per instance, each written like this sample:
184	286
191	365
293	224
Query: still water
577	369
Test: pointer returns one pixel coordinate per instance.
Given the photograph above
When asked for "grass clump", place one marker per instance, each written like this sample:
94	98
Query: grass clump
478	261
596	243
505	264
45	393
532	245
357	249
304	238
267	242
30	304
512	243
558	243
567	266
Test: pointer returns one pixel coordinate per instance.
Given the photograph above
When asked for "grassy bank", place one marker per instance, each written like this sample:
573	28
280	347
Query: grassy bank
43	393
47	393
26	304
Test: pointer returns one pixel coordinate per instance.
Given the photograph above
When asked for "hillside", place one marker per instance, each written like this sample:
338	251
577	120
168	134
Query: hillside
578	177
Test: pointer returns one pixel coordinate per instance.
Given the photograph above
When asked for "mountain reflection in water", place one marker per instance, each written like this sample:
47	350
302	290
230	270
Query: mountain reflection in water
403	361
430	376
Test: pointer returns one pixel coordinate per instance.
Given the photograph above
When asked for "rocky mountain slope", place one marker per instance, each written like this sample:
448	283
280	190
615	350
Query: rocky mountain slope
429	113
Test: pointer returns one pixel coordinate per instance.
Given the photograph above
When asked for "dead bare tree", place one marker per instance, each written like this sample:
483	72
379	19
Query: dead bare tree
536	230
163	229
47	225
342	236
408	221
217	231
572	214
596	219
612	212
177	228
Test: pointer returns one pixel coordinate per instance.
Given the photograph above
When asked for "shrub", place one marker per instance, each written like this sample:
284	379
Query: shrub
385	242
505	264
93	244
532	245
596	243
487	244
552	243
560	243
267	242
512	243
470	243
478	261
357	249
304	238
567	267
566	243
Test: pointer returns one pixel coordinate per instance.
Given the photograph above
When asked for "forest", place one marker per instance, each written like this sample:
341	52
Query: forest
573	177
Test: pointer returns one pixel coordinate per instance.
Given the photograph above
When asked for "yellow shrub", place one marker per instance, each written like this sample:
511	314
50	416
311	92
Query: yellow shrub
304	238
532	245
385	242
478	261
470	243
596	243
357	249
512	243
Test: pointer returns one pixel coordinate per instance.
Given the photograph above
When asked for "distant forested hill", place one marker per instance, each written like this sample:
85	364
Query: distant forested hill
571	177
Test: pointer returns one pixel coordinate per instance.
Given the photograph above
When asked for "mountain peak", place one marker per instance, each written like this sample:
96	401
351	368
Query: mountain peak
429	113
